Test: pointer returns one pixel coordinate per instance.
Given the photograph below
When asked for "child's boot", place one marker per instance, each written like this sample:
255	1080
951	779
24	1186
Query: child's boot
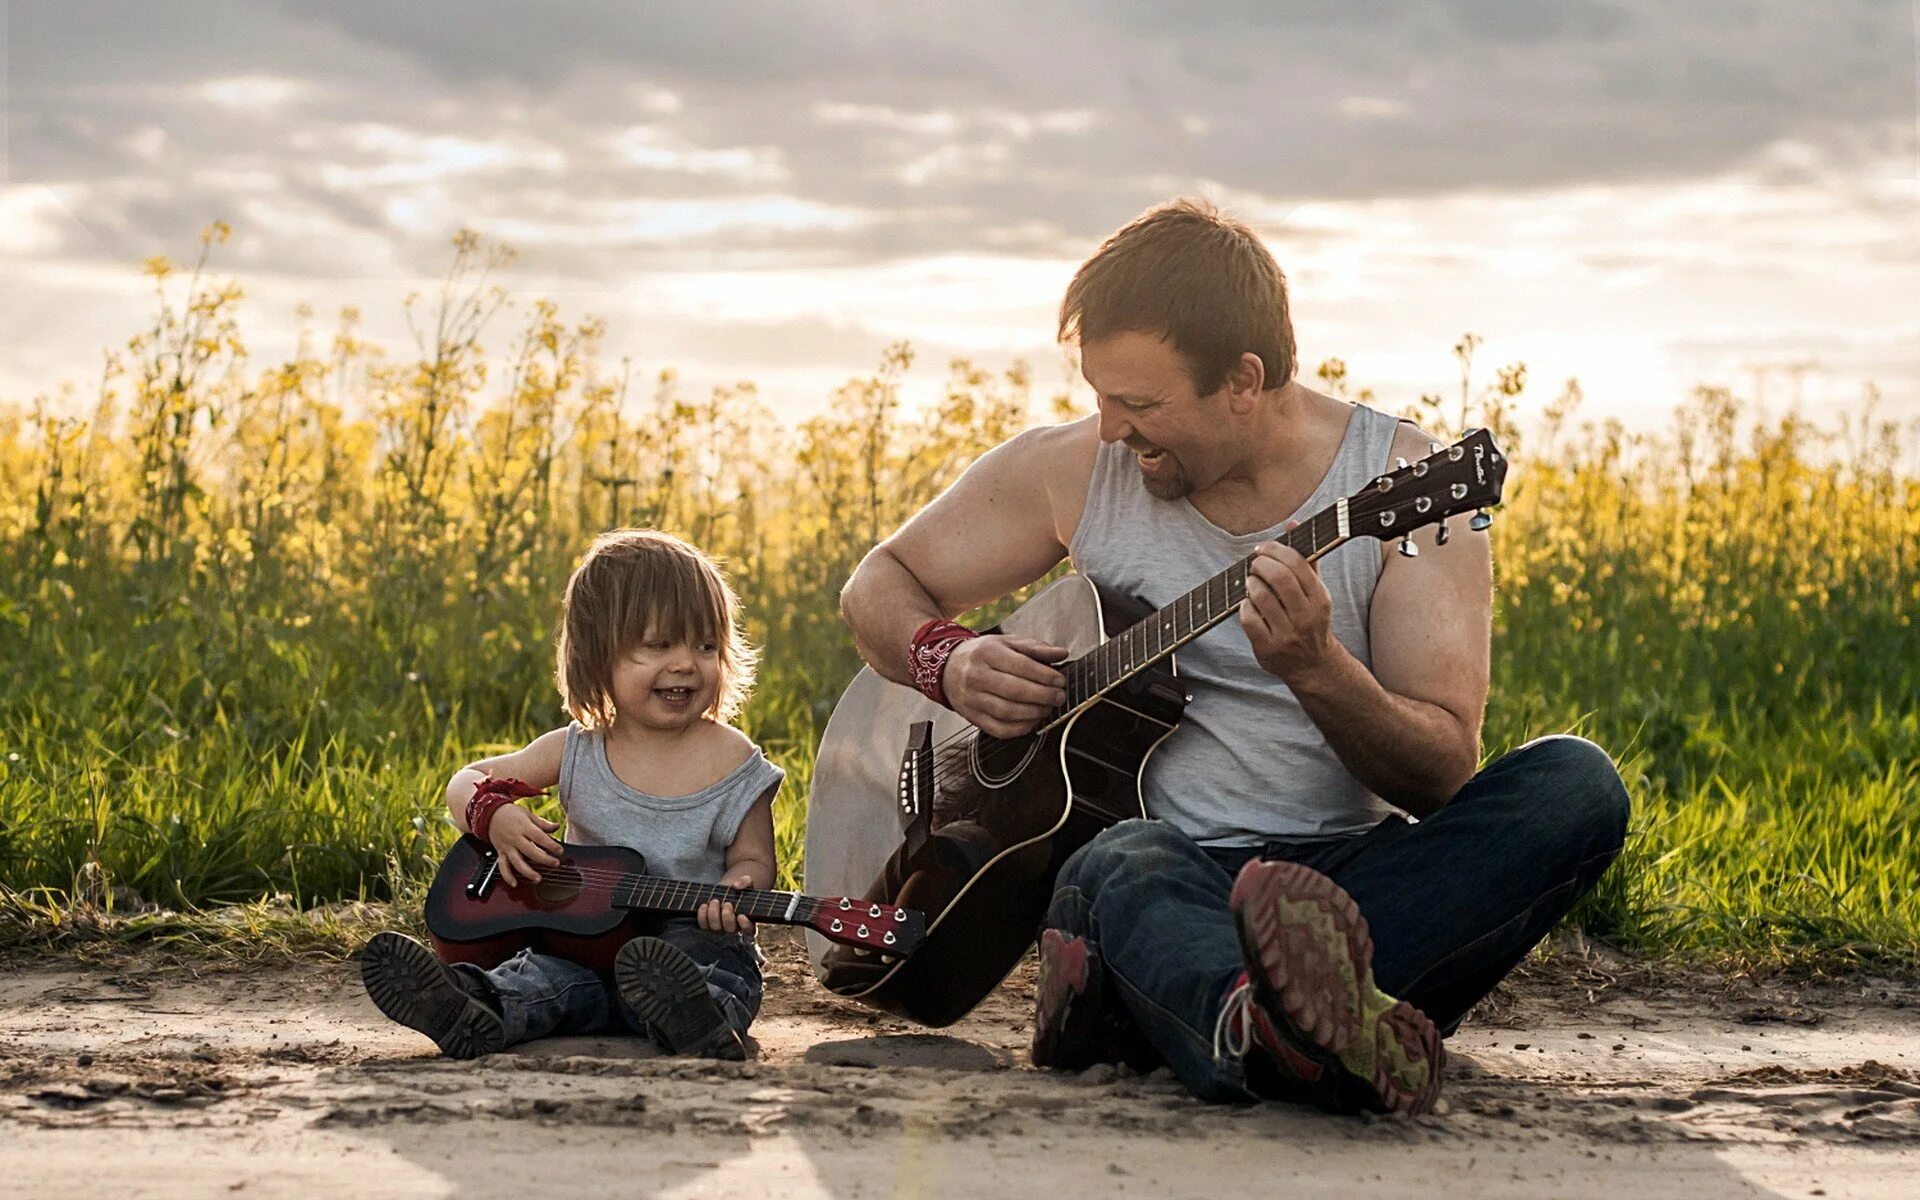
666	989
411	985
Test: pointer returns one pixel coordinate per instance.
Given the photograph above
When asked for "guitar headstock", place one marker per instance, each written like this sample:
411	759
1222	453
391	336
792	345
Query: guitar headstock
1453	479
869	925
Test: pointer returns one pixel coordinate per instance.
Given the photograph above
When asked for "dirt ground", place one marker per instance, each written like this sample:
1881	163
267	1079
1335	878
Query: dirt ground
152	1077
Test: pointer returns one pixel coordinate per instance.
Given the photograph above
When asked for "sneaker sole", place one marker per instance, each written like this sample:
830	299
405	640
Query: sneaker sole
1066	975
666	989
410	985
1314	961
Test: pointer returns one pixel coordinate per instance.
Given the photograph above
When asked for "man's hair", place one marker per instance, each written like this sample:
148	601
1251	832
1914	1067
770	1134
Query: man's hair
1192	275
636	583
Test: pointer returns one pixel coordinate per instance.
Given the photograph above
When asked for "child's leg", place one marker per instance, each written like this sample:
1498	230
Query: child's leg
453	1006
539	996
672	998
729	966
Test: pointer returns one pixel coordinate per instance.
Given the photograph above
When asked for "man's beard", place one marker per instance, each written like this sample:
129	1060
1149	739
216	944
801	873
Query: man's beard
1172	484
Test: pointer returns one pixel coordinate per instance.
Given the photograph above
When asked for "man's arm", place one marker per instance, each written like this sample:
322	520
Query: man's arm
993	531
1409	729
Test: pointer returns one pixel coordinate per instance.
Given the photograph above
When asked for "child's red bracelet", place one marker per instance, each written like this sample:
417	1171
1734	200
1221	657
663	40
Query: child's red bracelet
933	644
491	794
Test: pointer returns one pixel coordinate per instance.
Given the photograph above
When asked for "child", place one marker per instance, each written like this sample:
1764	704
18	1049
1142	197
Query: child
652	665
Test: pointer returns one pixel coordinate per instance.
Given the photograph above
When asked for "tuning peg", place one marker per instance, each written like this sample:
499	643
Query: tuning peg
1400	463
1433	447
1441	534
1480	521
1407	548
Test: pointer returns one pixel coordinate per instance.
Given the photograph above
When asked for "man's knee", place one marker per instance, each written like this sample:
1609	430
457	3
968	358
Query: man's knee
1135	845
1582	788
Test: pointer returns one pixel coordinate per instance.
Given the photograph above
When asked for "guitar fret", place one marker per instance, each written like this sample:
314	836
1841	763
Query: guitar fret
1189	615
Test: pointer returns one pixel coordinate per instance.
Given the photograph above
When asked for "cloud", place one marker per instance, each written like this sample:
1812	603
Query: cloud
1374	141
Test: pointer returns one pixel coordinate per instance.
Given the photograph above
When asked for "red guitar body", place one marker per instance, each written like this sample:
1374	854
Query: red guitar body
559	915
600	897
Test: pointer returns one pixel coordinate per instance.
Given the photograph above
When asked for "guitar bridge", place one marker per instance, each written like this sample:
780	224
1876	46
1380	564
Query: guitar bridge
916	786
484	876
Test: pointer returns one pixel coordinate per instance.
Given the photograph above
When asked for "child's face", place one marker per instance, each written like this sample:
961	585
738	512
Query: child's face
664	683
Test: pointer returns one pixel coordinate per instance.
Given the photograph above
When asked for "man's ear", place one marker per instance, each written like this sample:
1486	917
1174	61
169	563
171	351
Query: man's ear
1245	381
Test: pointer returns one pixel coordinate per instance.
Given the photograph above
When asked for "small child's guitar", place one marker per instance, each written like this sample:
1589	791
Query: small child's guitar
590	905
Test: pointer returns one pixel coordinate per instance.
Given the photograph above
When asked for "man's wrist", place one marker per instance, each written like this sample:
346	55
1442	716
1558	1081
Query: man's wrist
933	644
1322	677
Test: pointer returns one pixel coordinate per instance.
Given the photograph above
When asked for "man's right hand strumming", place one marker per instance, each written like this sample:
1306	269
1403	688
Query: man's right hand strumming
1003	685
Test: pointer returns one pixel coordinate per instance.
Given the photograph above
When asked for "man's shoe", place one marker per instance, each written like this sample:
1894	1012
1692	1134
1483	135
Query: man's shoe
408	983
1308	998
665	987
1068	1032
1077	1020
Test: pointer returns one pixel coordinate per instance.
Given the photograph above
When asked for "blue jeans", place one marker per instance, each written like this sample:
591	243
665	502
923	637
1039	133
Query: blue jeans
543	996
1453	902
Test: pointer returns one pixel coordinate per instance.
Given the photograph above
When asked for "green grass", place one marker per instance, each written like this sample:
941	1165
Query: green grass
247	639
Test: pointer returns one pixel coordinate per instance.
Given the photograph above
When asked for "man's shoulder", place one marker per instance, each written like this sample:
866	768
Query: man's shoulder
1063	449
1060	459
1412	442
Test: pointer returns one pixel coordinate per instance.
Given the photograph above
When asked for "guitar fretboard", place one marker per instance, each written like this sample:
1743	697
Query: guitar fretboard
1187	617
673	895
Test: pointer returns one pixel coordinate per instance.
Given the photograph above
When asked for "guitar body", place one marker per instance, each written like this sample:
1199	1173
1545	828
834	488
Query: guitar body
1005	814
569	913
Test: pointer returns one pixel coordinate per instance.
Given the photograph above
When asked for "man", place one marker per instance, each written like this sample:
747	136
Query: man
1326	885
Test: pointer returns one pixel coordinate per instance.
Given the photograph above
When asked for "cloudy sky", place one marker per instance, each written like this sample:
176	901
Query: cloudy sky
1644	195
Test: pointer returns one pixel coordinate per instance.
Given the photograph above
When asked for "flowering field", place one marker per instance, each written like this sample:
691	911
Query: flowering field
254	614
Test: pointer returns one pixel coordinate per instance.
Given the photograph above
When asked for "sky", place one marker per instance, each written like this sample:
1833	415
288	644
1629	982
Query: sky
1645	196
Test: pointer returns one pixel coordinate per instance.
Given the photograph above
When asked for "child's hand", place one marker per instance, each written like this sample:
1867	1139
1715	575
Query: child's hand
523	840
718	916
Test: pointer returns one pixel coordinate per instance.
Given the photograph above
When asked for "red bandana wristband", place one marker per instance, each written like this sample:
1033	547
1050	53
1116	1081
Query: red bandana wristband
491	794
933	644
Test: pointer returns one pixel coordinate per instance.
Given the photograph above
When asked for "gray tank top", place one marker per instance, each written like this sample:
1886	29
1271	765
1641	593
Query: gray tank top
1246	765
682	837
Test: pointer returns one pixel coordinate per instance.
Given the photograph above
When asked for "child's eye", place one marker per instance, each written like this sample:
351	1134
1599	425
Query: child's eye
707	647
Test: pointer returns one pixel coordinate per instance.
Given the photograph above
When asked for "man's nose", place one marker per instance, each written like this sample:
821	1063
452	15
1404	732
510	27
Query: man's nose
1113	426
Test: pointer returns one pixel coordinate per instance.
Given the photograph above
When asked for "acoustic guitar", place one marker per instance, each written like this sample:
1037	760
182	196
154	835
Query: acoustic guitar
913	806
600	897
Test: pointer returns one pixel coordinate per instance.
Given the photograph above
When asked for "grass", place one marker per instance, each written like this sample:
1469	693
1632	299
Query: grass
253	618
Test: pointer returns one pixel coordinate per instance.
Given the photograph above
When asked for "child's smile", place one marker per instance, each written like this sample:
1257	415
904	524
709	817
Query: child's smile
667	684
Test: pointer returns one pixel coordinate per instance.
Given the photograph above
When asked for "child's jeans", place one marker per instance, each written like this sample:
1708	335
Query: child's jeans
543	996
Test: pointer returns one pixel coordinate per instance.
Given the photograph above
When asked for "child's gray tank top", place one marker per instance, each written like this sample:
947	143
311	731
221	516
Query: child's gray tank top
682	837
1247	765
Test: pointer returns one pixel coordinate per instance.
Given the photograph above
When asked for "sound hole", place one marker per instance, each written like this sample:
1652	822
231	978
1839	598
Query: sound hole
557	887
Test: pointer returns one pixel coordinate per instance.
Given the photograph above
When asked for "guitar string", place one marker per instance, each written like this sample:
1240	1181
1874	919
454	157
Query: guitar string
594	879
609	883
1014	748
675	891
1361	506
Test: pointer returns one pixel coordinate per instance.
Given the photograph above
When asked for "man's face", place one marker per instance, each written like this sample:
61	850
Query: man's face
1147	401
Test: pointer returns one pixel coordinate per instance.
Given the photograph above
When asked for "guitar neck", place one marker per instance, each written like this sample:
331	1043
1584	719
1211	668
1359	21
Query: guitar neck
1191	615
678	896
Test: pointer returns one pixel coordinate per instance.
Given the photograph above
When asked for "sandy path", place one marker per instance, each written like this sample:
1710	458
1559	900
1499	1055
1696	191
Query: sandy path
154	1079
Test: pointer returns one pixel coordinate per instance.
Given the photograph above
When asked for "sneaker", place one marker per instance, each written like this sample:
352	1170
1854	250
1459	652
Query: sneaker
1066	1004
665	987
1077	1022
408	982
1308	1000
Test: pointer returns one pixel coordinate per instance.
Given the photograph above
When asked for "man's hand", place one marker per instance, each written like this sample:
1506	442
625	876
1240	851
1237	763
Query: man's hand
718	916
1003	685
1287	614
524	842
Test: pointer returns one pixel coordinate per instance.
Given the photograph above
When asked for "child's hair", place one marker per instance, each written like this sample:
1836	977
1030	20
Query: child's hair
639	581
